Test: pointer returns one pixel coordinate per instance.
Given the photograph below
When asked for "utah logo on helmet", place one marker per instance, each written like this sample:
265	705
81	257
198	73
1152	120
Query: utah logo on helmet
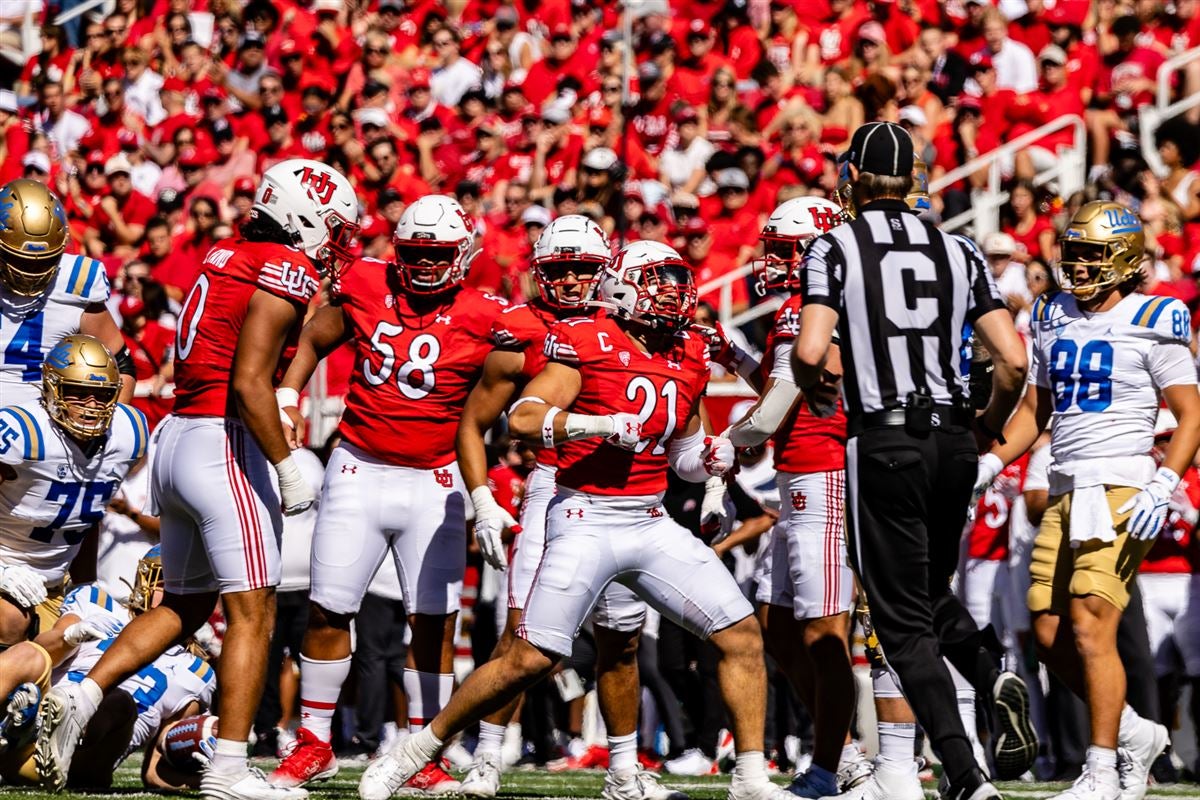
1106	241
789	229
316	206
33	235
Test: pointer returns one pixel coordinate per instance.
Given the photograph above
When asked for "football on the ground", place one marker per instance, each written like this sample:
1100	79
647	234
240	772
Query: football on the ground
182	740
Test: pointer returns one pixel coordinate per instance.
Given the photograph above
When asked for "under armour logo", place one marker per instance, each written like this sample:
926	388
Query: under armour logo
349	469
799	501
442	318
443	477
654	512
574	513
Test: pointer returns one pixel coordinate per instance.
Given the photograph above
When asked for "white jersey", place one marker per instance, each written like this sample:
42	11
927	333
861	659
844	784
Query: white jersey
160	689
31	327
60	491
1105	372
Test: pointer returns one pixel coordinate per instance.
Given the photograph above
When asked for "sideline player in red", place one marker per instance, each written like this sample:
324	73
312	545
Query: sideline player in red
392	484
807	595
566	259
633	379
221	522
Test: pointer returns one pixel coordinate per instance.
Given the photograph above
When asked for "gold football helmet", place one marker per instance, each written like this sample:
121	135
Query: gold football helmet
80	383
843	195
147	581
1108	240
918	195
33	234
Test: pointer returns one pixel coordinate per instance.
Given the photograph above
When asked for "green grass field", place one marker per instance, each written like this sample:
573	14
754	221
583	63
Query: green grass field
539	784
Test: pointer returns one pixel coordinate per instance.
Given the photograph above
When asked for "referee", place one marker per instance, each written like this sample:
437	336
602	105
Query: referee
899	292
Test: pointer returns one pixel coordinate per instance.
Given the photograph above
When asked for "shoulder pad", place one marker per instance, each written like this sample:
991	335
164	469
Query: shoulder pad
1166	316
21	436
139	429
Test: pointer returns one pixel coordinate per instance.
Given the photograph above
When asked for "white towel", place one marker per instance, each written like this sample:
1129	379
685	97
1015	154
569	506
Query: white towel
1091	518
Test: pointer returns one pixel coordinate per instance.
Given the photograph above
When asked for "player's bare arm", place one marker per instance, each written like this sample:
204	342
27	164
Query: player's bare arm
556	386
1184	402
97	321
1027	423
260	343
324	332
486	402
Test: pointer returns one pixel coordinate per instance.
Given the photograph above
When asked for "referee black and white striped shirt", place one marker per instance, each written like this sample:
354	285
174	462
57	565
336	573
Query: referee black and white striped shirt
903	290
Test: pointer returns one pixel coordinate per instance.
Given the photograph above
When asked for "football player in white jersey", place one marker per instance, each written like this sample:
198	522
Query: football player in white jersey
46	294
1103	355
177	684
61	459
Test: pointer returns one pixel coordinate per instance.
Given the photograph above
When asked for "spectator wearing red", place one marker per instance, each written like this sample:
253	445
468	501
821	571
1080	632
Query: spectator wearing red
382	169
150	345
506	244
833	37
161	137
233	157
1033	232
997	104
1083	62
280	144
14	139
50	64
734	224
481	165
472	108
117	226
710	264
241	200
541	82
787	39
1054	99
311	128
970	29
1126	83
82	197
900	29
650	116
439	161
556	154
420	104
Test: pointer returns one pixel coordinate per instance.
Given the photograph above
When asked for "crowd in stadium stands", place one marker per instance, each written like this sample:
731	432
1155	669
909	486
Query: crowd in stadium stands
153	123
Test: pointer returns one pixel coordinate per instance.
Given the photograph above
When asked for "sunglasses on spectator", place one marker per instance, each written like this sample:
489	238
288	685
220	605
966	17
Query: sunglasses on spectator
189	167
731	190
591	171
97	168
494	53
270	88
597	130
99	35
613	88
116	31
113	94
376	51
442	42
177	29
723	84
513	201
198	213
342	127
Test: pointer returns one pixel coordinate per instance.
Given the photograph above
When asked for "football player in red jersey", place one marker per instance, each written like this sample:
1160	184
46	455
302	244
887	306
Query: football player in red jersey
633	379
212	476
392	484
807	594
566	259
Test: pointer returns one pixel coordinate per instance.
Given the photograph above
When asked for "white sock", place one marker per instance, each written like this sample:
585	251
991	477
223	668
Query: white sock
897	740
427	745
427	693
1101	759
92	696
491	739
229	756
320	684
750	766
850	754
622	752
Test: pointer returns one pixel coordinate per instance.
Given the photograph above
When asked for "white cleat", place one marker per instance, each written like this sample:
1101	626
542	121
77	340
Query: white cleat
854	771
636	784
386	774
484	778
757	790
692	762
1135	760
873	788
1092	786
60	722
247	784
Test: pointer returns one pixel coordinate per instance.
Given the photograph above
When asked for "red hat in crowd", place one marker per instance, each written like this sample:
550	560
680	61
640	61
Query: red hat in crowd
599	117
174	84
130	307
981	61
700	27
419	78
96	157
244	185
196	156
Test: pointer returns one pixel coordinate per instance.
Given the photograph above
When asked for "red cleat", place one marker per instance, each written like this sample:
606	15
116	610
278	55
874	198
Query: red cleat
649	761
432	780
308	760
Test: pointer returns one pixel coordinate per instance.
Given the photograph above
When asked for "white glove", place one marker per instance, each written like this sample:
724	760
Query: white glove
719	456
22	584
490	521
716	519
93	628
294	492
990	466
287	398
1149	506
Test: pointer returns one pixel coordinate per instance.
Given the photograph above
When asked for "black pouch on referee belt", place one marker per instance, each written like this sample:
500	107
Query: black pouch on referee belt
918	412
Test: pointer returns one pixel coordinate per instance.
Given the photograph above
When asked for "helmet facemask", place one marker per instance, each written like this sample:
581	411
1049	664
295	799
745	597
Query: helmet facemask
80	384
26	276
567	282
779	267
1101	262
666	295
843	195
430	266
146	590
333	257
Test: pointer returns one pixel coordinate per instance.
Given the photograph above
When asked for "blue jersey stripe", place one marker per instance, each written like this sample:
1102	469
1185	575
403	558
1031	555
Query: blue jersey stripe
138	437
29	428
94	267
73	285
1162	306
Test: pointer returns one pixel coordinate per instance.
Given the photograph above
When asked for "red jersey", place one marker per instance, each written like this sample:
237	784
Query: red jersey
215	310
804	443
1176	550
507	487
413	366
523	329
663	389
988	538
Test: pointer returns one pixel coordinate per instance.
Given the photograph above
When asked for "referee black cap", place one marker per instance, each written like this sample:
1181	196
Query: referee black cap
882	148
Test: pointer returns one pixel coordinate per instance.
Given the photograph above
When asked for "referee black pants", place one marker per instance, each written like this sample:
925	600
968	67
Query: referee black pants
906	503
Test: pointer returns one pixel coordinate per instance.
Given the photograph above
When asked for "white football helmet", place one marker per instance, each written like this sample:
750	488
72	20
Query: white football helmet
789	229
574	246
316	206
434	244
649	283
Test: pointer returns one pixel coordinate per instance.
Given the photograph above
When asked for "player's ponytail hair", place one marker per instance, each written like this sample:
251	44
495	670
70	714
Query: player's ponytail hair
263	228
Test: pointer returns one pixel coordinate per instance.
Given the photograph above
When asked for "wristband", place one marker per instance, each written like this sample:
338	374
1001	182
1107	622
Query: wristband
1167	477
481	498
548	427
287	397
586	426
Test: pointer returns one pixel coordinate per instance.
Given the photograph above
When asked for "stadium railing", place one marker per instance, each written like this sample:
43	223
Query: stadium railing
1151	117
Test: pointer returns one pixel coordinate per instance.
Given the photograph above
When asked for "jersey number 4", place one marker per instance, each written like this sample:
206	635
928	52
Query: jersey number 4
25	348
95	498
1081	375
416	377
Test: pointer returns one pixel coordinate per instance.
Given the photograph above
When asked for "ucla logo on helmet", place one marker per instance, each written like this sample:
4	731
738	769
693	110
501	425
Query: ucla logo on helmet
1122	220
60	357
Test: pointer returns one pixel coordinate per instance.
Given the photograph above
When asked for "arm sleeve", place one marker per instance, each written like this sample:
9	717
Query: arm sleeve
686	456
767	416
823	273
1037	473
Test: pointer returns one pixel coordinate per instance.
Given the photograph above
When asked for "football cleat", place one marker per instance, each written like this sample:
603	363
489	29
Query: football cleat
1015	742
249	784
431	780
60	722
757	790
692	762
877	787
636	784
392	770
1136	758
854	771
1092	786
483	780
814	784
306	761
19	712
